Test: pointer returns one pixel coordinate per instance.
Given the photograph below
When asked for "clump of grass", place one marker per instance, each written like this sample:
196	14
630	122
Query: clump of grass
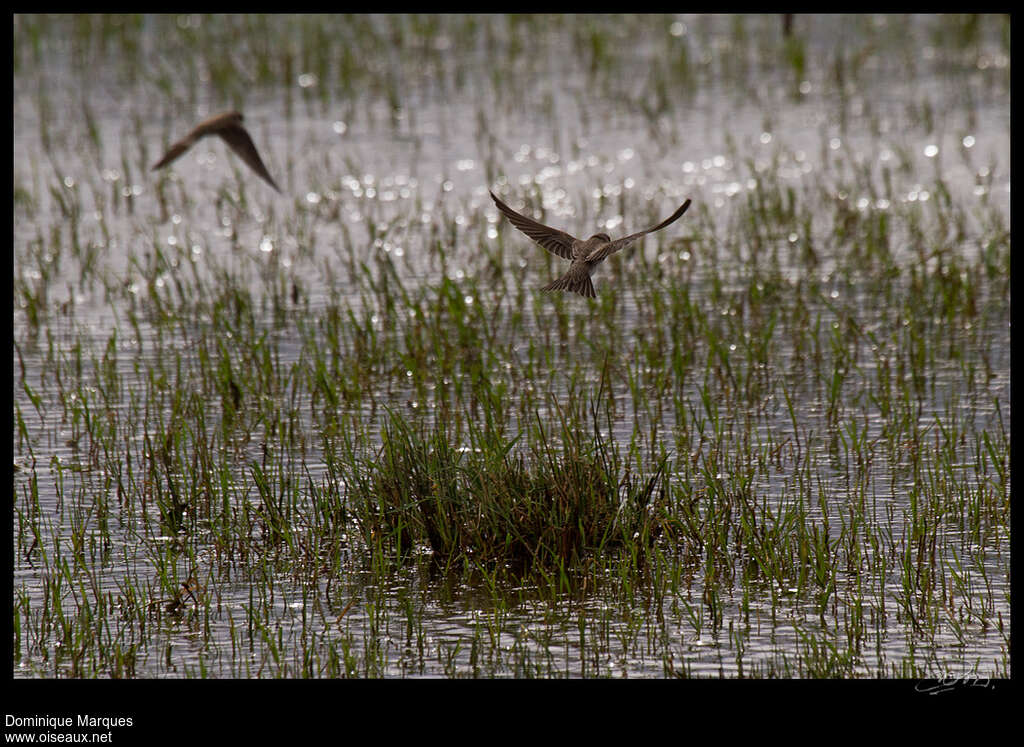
495	506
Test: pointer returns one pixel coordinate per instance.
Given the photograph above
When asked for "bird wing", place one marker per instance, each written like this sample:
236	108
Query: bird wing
613	246
555	241
176	150
206	127
239	141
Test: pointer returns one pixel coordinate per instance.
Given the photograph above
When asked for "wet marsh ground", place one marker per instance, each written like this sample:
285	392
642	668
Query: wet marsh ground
338	432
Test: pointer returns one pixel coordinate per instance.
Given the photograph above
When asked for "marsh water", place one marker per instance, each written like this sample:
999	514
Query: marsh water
385	152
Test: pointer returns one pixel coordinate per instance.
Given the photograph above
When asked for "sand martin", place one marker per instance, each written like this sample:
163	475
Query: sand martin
229	126
585	255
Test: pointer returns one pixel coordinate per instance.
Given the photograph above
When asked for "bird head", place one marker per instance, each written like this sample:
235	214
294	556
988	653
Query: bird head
602	236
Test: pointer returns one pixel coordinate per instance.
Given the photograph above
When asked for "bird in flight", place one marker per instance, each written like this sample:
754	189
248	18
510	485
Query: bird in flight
229	126
585	255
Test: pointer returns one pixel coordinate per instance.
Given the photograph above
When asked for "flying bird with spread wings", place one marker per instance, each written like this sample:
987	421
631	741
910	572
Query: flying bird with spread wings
585	255
228	126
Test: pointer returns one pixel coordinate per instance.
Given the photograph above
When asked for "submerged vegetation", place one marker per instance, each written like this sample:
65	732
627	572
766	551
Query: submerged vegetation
341	432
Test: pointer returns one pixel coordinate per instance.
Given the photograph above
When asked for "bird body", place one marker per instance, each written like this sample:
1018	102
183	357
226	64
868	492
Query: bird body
585	255
577	278
228	126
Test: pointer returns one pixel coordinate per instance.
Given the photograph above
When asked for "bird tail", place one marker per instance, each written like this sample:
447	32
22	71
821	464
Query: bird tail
576	280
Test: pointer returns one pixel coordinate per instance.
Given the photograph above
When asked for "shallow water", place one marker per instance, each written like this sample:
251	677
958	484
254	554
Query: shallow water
362	178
